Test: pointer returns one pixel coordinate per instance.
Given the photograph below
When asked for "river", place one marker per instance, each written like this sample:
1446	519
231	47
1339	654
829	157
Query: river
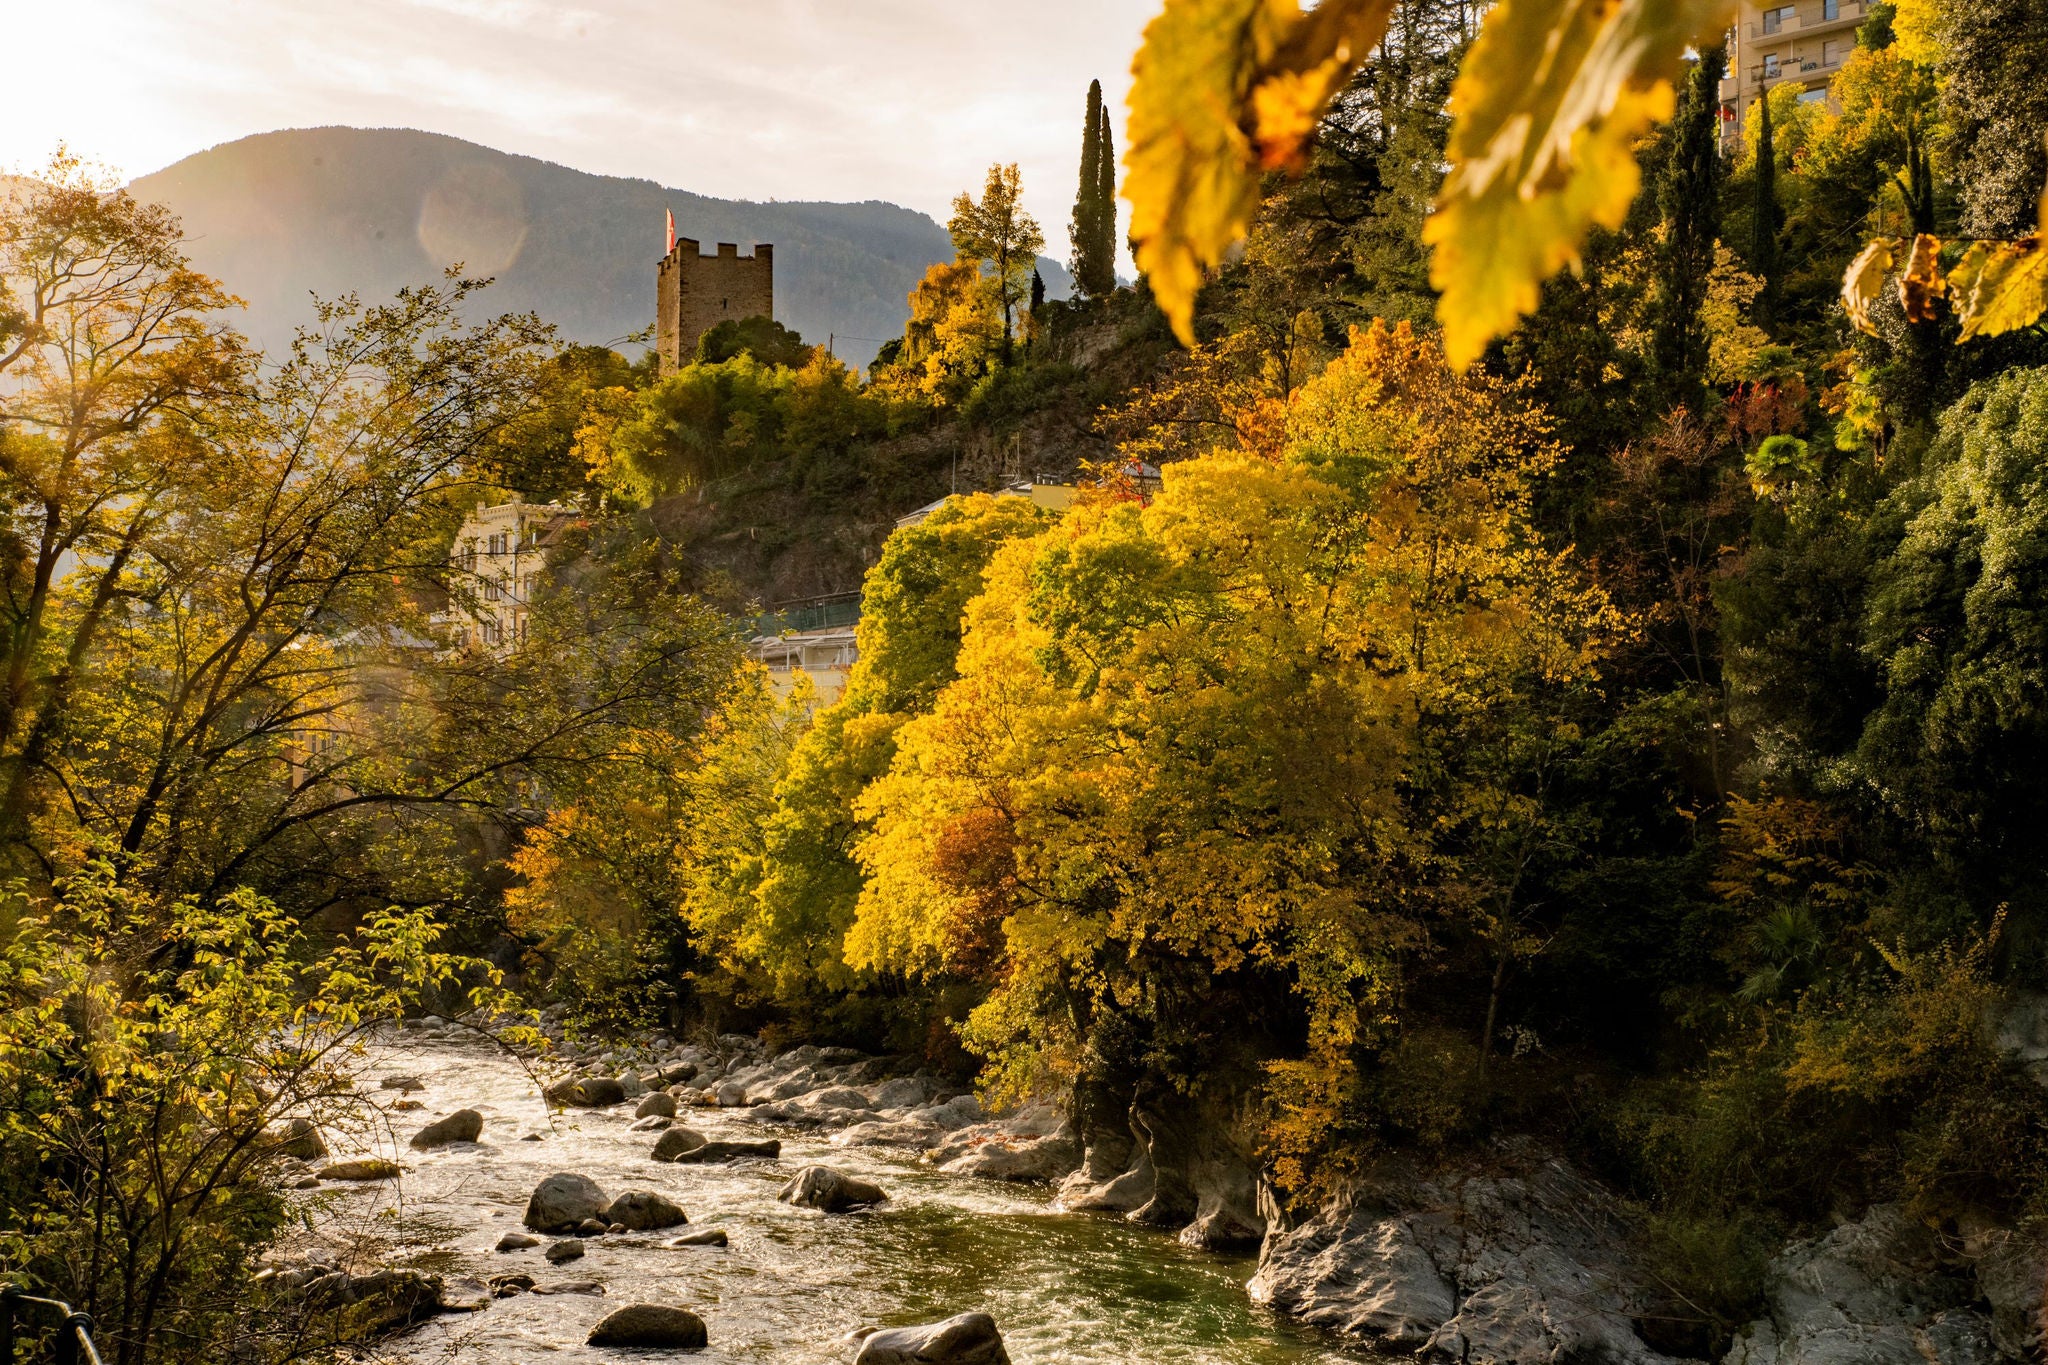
1068	1288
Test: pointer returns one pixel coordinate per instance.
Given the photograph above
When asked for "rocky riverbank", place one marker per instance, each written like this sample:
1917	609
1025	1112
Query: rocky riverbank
1512	1257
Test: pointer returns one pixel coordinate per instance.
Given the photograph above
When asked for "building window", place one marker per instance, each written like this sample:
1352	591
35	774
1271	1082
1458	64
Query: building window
1830	52
1813	96
1775	20
1770	66
492	590
1830	9
493	632
522	628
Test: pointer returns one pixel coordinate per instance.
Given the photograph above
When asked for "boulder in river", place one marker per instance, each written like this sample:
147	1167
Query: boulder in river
570	1287
401	1083
361	1168
505	1286
730	1095
969	1339
675	1142
302	1140
1526	1260
644	1211
568	1249
903	1092
562	1201
464	1125
706	1237
653	1123
586	1092
592	1227
821	1187
517	1241
656	1104
767	1149
1876	1290
649	1324
464	1296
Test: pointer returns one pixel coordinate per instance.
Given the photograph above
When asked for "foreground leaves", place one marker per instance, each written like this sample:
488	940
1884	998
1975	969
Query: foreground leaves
1223	90
1996	286
1548	107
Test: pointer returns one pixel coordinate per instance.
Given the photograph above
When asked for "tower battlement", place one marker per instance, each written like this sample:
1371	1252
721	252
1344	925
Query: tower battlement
695	292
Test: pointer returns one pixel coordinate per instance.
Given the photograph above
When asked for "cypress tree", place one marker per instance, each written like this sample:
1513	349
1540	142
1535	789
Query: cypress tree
1689	196
1766	218
1105	204
1088	263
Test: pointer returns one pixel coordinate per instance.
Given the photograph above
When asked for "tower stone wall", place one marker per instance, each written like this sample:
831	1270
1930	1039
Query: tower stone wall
696	292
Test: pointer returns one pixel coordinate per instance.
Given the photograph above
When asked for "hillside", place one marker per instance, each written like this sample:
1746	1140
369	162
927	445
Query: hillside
328	210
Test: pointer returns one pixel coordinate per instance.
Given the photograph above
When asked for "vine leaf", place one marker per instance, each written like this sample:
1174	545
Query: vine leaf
1221	91
1547	107
1863	279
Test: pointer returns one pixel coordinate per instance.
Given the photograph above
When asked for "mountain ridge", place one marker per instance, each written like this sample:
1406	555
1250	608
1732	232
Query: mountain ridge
284	215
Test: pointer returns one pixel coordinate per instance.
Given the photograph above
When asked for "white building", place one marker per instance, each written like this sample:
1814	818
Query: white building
499	561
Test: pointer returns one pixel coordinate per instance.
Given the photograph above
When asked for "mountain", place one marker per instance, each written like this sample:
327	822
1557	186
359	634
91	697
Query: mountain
279	216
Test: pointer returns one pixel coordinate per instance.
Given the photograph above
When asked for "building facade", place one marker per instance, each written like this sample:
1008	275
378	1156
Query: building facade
695	292
1802	43
499	562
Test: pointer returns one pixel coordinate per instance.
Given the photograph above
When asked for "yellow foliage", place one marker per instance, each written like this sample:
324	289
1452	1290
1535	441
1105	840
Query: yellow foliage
1733	342
1872	1046
1183	731
955	330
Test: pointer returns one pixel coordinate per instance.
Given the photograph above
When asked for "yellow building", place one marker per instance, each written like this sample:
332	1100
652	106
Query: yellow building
1803	43
499	560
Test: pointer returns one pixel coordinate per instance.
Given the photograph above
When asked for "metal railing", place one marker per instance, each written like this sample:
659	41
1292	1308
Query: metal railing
74	1336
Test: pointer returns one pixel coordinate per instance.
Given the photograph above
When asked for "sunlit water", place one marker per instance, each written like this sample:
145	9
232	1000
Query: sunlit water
1064	1287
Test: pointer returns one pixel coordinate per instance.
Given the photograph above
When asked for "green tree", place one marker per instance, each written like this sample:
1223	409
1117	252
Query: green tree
1093	262
1767	218
1689	197
765	339
997	232
1959	744
1995	106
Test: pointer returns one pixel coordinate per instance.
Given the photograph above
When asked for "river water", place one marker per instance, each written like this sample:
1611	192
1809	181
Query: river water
1067	1288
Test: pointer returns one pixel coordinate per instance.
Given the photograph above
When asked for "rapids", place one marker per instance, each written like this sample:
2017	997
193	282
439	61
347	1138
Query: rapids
1068	1288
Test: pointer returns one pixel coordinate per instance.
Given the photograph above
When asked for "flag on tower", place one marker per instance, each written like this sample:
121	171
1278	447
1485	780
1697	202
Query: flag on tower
671	232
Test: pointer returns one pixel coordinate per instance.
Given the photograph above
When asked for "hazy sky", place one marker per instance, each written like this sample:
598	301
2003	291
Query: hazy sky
905	100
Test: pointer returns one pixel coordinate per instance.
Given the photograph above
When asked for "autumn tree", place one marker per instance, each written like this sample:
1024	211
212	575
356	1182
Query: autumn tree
1002	237
1201	760
773	898
953	335
113	356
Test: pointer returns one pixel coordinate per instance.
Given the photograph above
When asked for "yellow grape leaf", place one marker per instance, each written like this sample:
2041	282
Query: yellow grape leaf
1862	280
1220	89
2000	286
1547	107
1920	283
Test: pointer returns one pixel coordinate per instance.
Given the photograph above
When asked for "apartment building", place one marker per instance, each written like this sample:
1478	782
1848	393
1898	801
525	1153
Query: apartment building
1804	43
499	561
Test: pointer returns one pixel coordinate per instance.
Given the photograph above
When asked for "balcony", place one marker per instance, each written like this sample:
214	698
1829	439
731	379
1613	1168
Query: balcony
1812	17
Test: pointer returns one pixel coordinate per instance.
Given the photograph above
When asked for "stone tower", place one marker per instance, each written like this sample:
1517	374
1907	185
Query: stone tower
695	292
